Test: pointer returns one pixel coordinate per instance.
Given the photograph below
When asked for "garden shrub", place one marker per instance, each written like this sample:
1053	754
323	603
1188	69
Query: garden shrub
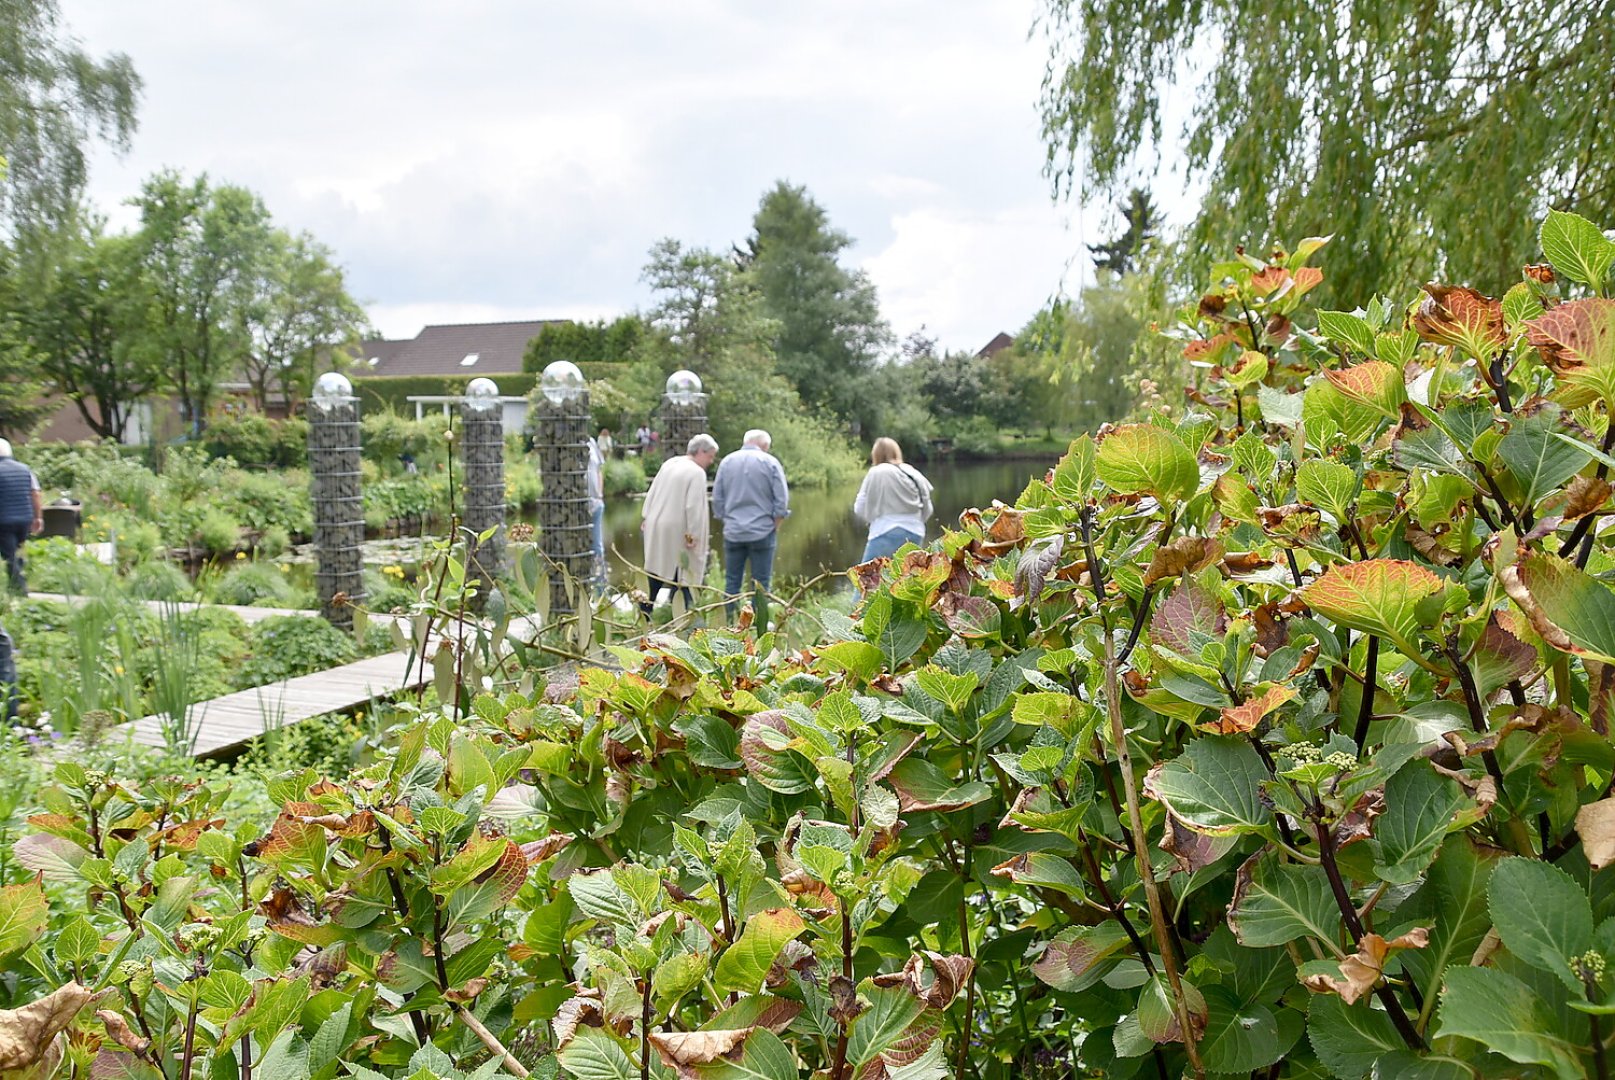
272	541
251	438
159	580
522	484
625	476
252	584
286	646
55	565
217	533
1265	737
262	501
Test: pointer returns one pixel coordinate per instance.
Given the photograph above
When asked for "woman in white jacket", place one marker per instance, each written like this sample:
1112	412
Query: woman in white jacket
895	501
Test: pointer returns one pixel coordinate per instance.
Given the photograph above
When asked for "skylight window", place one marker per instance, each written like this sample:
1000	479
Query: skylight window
470	359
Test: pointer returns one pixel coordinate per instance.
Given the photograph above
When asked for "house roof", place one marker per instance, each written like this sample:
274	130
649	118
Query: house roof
998	344
445	349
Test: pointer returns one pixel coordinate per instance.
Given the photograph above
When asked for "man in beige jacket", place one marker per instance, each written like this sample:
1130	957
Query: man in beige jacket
676	523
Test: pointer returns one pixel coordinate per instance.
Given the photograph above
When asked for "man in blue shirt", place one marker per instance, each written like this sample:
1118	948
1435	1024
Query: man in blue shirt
751	498
21	513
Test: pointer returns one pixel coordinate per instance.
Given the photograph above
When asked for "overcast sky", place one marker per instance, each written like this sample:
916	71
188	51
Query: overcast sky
509	159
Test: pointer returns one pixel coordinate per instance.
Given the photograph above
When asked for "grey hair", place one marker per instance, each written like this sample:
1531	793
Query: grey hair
759	438
702	442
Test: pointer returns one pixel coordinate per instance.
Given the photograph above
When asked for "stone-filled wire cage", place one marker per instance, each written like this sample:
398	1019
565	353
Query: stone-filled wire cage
683	414
681	422
482	455
560	432
333	461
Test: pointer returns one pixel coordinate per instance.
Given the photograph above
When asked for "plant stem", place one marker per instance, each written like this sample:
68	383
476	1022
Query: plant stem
838	1067
970	982
189	1057
1146	872
723	906
491	1041
1116	910
417	1018
1365	712
1354	926
644	1030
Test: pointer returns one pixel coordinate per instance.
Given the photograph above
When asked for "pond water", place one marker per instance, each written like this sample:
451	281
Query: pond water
821	533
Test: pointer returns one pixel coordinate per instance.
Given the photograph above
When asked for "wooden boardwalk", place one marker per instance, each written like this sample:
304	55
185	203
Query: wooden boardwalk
229	722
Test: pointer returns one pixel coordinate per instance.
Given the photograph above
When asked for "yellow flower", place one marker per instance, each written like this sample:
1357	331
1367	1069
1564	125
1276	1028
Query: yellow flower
117	669
241	554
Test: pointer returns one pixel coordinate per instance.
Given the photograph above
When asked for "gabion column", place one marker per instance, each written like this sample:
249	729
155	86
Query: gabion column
482	453
683	413
333	461
560	428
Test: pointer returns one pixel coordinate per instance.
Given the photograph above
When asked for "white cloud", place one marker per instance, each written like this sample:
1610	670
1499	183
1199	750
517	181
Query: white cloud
966	276
517	160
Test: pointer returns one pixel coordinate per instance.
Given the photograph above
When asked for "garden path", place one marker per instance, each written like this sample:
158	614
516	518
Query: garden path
224	723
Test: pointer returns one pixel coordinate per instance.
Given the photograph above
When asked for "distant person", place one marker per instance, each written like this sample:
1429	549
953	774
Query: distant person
676	523
603	441
22	512
594	485
894	501
8	677
752	500
643	437
408	458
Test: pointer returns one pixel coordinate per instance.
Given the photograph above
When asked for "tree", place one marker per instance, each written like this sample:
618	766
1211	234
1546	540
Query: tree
1120	255
202	252
54	98
1446	127
599	342
830	329
713	323
84	315
297	316
24	401
1083	360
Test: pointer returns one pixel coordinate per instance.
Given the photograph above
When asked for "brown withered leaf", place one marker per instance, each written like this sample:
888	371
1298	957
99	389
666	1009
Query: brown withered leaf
120	1032
818	899
1585	495
1290	525
1429	543
284	914
1278	328
536	851
1271	632
1600	693
1211	349
933	978
1211	305
583	1008
1595	824
679	1050
1541	273
844	1006
28	1034
1360	971
1245	562
466	994
509	873
1184	555
182	837
1456	315
796	956
1358	823
1242	719
1192	850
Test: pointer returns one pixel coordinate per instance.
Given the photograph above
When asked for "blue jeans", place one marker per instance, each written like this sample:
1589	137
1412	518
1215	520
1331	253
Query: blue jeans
760	553
598	525
884	545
